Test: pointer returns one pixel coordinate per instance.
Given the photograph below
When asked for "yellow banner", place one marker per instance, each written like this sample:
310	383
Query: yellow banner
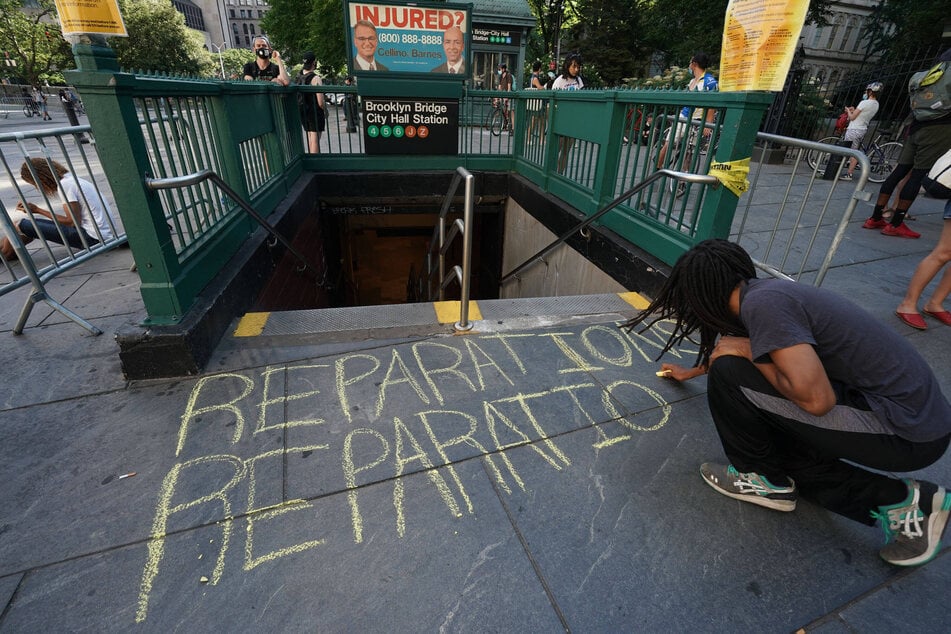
759	41
99	17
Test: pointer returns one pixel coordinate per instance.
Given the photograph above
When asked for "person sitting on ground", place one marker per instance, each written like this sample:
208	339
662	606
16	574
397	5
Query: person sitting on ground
86	216
809	393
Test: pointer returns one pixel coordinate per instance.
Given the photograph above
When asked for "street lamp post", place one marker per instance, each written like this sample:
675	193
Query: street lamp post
218	48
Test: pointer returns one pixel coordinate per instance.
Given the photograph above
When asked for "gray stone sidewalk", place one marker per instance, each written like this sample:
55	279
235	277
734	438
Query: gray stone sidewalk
531	477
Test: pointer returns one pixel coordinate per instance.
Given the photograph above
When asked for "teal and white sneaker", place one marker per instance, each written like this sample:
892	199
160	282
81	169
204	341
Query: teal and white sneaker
917	535
749	487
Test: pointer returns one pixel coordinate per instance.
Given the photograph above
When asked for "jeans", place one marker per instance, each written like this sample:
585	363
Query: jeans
48	230
769	437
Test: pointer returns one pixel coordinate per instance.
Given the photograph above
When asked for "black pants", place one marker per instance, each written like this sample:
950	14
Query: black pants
761	431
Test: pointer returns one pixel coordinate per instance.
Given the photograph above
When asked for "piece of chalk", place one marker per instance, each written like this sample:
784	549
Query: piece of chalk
663	373
127	475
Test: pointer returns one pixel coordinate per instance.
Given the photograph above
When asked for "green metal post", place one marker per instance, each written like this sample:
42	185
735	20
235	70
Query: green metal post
107	94
737	136
605	181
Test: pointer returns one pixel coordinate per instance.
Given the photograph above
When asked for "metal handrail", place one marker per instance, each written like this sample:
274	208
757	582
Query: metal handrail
442	242
682	176
187	180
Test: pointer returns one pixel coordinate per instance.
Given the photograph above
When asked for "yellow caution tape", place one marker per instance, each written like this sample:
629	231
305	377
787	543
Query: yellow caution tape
733	174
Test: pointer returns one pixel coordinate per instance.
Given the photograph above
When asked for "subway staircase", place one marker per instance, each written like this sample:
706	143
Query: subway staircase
331	325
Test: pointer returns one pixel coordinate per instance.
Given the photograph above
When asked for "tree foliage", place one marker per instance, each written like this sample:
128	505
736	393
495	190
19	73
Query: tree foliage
551	16
905	29
34	41
629	39
315	25
234	59
618	40
159	40
608	38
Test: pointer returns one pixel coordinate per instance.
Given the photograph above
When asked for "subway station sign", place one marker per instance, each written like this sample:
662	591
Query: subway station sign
485	34
394	125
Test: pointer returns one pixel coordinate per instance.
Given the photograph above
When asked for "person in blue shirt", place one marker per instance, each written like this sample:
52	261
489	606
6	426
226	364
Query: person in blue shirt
702	81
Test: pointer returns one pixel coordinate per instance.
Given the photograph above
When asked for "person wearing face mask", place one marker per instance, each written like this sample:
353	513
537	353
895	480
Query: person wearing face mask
267	64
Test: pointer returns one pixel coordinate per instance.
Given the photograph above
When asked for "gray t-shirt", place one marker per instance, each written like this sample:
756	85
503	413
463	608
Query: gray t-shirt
859	353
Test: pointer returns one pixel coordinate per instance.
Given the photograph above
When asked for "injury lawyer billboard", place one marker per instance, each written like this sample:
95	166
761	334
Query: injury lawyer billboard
419	38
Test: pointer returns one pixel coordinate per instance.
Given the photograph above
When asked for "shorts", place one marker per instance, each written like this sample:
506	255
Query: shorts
925	146
314	122
855	135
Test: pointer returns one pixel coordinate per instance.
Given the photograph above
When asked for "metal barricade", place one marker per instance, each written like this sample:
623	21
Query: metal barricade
785	219
54	155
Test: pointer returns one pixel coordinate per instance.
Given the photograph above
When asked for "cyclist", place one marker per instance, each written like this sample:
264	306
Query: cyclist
859	116
702	81
505	83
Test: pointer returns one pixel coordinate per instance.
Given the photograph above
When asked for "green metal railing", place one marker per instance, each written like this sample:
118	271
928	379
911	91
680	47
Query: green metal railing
584	147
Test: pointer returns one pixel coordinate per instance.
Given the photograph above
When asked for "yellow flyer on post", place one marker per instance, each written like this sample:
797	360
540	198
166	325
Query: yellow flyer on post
100	17
759	41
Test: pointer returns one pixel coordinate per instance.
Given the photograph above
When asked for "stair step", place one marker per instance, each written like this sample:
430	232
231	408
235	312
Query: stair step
397	320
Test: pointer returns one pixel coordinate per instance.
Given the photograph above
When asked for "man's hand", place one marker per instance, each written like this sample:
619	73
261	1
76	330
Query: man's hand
680	373
282	79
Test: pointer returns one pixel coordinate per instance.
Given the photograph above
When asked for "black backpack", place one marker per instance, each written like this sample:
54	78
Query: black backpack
305	100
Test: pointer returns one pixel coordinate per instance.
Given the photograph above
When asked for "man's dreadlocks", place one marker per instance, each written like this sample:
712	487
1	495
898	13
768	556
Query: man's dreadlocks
697	296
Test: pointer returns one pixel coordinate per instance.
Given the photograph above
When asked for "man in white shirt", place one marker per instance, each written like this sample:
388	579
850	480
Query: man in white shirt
859	116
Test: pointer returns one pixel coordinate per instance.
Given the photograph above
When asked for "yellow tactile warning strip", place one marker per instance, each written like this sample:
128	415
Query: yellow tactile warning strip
251	325
636	300
448	312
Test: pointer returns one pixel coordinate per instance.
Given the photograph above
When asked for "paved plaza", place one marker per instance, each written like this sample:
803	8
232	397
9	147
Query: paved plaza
533	476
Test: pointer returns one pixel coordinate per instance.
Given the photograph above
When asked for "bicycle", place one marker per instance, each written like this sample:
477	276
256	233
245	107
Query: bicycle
682	158
31	108
882	158
497	119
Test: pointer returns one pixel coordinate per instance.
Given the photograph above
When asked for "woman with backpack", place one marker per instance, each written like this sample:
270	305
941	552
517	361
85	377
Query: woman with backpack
311	105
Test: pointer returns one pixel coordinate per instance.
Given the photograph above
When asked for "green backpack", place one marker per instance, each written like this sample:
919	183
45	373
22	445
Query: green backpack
929	92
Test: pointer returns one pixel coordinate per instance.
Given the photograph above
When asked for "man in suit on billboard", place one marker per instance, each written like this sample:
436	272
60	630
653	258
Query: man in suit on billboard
454	44
365	39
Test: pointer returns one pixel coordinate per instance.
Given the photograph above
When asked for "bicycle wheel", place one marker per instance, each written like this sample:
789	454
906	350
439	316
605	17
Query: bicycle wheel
28	110
817	159
883	160
497	121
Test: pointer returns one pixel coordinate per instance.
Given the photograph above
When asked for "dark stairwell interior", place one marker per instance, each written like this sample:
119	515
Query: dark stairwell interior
368	258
